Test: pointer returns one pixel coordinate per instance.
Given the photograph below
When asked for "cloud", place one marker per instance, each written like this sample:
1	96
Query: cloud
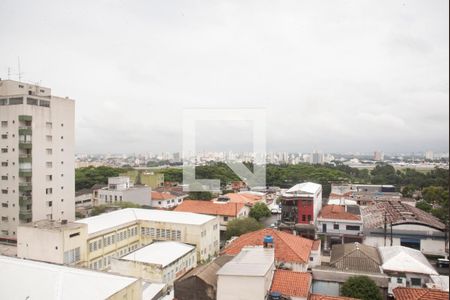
335	76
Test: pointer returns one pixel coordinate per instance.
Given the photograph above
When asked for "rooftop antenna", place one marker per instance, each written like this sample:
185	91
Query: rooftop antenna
18	67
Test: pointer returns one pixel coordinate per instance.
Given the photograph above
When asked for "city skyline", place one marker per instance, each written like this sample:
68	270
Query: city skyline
345	80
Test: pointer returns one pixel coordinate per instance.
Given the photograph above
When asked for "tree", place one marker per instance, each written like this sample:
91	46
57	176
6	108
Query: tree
423	205
361	287
240	226
200	196
259	210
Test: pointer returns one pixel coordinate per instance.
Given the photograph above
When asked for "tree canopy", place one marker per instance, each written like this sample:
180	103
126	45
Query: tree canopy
239	226
361	287
259	210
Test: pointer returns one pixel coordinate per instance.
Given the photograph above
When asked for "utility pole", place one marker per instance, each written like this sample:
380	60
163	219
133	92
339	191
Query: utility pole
391	235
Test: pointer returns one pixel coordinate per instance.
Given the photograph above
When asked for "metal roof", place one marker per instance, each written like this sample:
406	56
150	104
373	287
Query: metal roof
405	260
251	261
356	257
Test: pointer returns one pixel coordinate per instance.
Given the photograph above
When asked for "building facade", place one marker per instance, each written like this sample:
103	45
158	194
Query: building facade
36	156
301	203
120	189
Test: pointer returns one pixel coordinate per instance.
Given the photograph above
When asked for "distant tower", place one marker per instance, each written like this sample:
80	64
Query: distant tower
378	156
429	155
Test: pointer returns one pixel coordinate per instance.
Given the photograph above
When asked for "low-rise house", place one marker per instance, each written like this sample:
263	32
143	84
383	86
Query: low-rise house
405	226
291	285
244	198
291	251
406	267
248	276
327	297
349	260
301	203
27	279
226	212
315	256
339	224
201	282
120	189
159	262
402	293
83	198
166	199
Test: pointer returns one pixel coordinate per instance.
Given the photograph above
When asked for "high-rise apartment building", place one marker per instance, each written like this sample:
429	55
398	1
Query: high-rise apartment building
36	156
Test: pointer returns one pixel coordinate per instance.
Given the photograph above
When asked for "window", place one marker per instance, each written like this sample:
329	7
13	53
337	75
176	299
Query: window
416	281
49	164
4	204
4	136
15	101
225	219
3	101
49	151
303	218
49	138
4	219
311	258
44	103
49	177
309	218
4	177
48	191
32	101
4	163
4	123
399	280
48	125
4	150
50	203
352	227
4	191
336	226
72	256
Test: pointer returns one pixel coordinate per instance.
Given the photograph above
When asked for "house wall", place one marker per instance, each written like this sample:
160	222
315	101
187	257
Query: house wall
427	245
193	288
241	287
406	280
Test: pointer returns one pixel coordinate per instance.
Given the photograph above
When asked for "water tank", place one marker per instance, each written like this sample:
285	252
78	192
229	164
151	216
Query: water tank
275	296
268	239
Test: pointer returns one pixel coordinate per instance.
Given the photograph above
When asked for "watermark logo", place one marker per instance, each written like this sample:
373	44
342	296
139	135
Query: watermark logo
253	178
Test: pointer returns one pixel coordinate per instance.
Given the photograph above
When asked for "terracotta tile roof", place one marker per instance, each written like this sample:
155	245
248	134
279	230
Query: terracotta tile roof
288	247
243	198
337	212
210	208
356	257
162	196
326	297
289	283
402	293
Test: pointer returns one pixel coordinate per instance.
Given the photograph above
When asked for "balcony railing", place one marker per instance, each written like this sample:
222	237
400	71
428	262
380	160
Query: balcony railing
24	201
25	172
25	158
25	130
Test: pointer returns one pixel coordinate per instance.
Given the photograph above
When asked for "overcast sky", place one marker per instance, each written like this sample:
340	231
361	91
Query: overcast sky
336	76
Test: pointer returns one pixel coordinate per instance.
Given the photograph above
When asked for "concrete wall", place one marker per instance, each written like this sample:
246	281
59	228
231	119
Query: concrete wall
427	246
241	287
137	195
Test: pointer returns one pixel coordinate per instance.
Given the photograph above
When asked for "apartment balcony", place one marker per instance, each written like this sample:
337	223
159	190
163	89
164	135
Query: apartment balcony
25	187
25	118
25	145
24	215
25	130
24	201
25	158
25	172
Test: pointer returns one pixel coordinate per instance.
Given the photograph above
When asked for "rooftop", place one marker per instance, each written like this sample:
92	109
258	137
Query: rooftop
304	188
36	280
402	293
288	247
355	256
244	198
326	297
210	208
162	196
127	215
208	272
291	284
251	261
397	213
404	259
53	225
337	212
160	253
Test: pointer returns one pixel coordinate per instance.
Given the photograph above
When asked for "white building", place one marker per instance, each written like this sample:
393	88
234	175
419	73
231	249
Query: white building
120	189
248	276
406	267
167	199
115	234
36	156
429	155
159	262
28	279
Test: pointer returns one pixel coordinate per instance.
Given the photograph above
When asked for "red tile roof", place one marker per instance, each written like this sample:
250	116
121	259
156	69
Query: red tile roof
210	208
326	297
243	198
337	212
288	247
289	283
162	196
402	293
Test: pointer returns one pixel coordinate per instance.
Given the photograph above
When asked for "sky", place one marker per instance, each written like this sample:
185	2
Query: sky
336	76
